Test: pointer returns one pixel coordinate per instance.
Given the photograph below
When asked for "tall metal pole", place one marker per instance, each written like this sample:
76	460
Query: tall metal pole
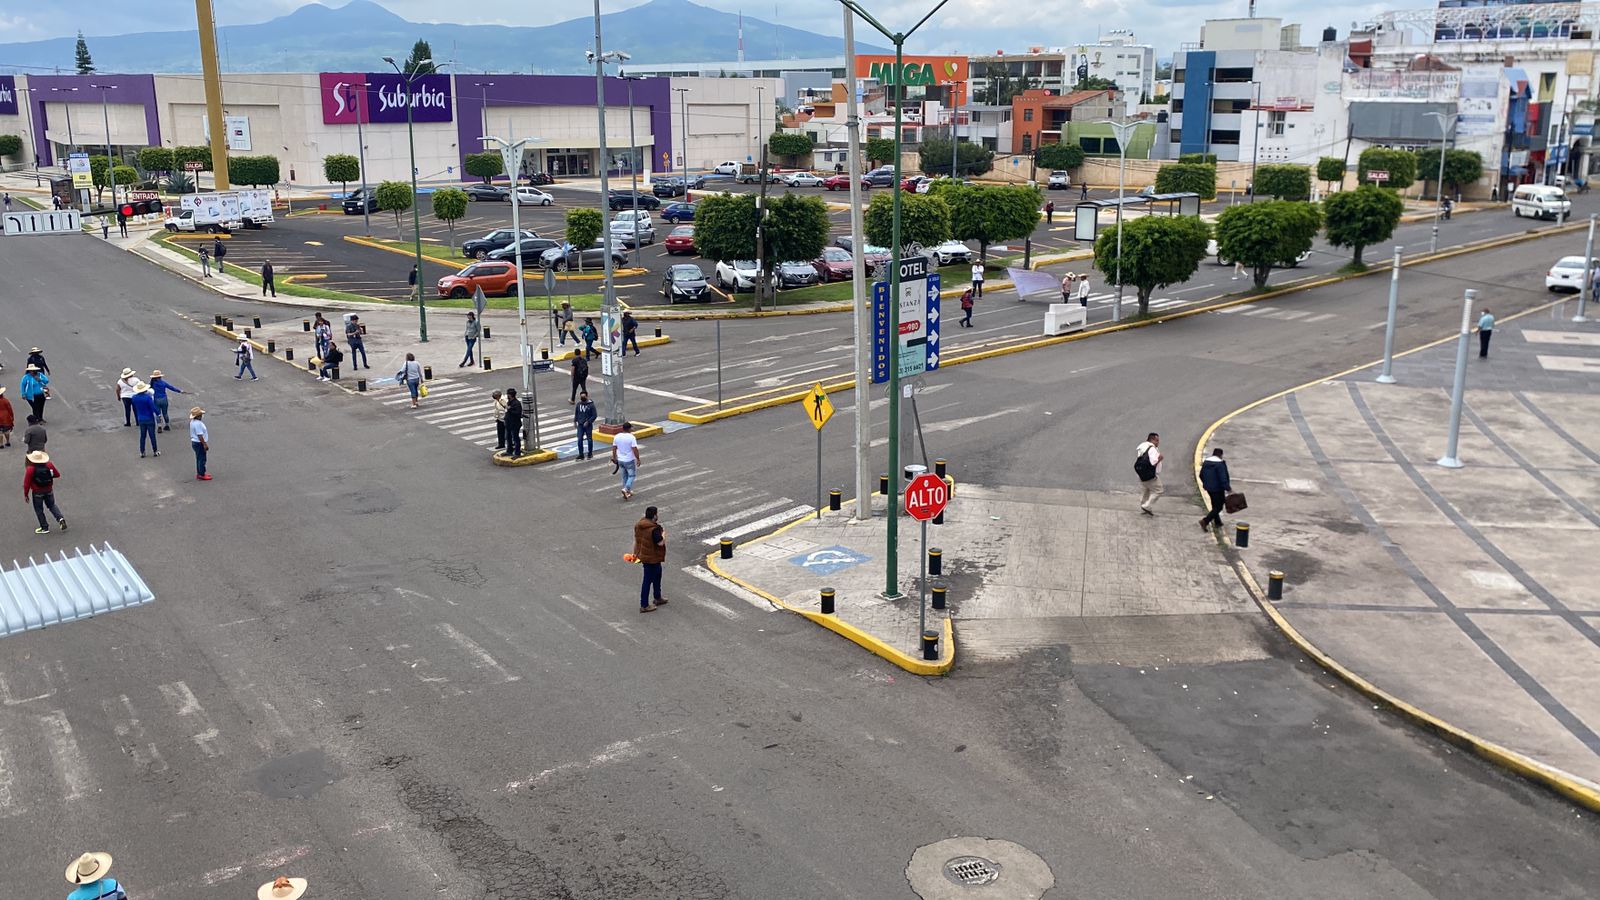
955	116
1438	192
761	229
33	140
511	153
1255	143
891	587
105	118
608	300
760	103
211	74
683	116
1588	275
1123	129
1451	460
416	217
633	172
858	278
1387	375
361	150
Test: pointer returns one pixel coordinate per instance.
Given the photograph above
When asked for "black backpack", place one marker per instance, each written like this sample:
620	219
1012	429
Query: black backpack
42	476
1143	467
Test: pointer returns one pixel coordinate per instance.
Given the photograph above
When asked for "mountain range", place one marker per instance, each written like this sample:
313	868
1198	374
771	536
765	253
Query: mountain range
355	38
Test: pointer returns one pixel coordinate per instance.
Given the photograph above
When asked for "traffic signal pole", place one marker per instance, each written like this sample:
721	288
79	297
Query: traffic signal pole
858	277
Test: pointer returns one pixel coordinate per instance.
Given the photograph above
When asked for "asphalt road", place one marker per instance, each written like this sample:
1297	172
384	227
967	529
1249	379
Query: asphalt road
381	663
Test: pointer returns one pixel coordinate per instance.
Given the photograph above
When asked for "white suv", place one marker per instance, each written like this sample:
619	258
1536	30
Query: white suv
737	275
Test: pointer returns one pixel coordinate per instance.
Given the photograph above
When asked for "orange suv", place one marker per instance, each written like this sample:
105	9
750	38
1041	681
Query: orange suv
493	276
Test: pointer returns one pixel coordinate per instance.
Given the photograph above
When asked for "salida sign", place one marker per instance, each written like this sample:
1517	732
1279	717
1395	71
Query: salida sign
348	97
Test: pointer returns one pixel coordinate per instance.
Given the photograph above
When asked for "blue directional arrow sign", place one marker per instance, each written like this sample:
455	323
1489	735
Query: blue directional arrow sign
882	336
933	321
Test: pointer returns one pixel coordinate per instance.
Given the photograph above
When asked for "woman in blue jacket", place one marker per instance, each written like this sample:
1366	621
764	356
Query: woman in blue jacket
36	390
161	386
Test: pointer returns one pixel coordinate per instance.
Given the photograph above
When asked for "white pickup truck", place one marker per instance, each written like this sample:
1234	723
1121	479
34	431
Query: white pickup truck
222	211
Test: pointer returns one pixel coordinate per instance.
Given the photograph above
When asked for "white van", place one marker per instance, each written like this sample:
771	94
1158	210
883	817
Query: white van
1542	201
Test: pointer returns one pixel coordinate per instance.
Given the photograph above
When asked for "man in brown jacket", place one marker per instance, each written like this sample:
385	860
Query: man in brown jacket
650	547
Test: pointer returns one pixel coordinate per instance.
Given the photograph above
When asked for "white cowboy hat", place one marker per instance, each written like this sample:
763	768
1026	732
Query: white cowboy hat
126	373
196	412
156	374
281	888
90	866
32	368
40	457
34	350
2	390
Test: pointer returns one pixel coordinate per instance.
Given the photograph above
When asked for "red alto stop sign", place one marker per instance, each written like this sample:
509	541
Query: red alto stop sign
926	497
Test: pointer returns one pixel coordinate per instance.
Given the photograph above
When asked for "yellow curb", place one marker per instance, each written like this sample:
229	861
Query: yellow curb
526	459
643	313
1040	262
314	212
641	430
864	639
411	254
306	276
565	355
1576	789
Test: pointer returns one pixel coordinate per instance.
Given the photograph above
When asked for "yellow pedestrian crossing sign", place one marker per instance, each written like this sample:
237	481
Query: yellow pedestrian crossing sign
819	409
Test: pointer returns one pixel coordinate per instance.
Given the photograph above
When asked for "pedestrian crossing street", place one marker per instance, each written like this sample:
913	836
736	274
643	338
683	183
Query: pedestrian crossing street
465	408
1304	317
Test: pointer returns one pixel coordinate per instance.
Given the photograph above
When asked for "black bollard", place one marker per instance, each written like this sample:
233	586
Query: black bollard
335	373
247	333
938	595
1241	534
658	330
725	545
256	320
427	373
305	324
288	353
486	365
272	346
935	561
228	324
835	499
361	385
827	601
219	318
544	352
486	332
939	466
1274	585
930	645
883	485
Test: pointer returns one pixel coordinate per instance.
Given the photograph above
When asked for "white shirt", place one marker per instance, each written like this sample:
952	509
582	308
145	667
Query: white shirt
198	432
627	447
977	271
124	388
246	351
1153	453
1083	288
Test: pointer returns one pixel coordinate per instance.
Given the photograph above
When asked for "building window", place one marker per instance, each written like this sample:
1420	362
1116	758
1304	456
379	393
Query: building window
1177	105
1176	135
1225	137
1027	143
1177	76
1276	121
1027	115
990	144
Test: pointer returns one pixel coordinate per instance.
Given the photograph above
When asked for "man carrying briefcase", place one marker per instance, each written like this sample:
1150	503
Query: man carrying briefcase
1219	490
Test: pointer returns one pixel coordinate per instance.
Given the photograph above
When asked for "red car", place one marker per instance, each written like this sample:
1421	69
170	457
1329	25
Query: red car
835	264
493	276
681	240
837	182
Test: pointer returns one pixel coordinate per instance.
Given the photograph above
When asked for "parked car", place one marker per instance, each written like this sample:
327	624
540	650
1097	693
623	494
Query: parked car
726	168
870	254
737	275
916	184
532	196
532	249
1541	201
883	176
951	252
678	212
486	192
754	177
802	179
538	178
594	258
835	264
685	282
628	215
494	277
359	198
478	248
681	240
1565	275
1059	181
625	200
667	187
631	233
700	181
837	182
795	273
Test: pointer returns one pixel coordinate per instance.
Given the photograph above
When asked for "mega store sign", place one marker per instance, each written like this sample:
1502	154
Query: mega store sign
915	71
349	97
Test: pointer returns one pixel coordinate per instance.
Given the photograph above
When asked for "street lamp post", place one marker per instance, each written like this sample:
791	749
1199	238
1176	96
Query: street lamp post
1446	122
633	171
33	140
1255	141
416	217
361	151
511	152
1123	129
72	144
760	115
683	115
615	415
105	119
892	549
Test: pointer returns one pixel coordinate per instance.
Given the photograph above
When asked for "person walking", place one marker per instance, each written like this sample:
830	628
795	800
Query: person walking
162	386
34	437
499	420
35	389
7	199
266	279
36	358
356	338
564	323
245	355
122	224
650	549
414	291
1050	212
513	424
88	872
199	442
1083	191
144	412
630	332
1485	332
410	375
330	362
1068	286
977	280
205	261
1147	465
1214	478
105	228
473	332
8	419
590	334
1083	289
124	389
583	418
580	378
966	309
39	485
625	456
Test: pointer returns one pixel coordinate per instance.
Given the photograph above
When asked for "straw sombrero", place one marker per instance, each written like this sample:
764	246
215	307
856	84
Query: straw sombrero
38	457
90	866
127	373
280	888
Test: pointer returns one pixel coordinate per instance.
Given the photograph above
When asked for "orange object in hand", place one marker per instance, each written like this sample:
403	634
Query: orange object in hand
629	558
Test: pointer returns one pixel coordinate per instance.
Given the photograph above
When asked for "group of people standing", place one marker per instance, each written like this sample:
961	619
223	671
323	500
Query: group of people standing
146	403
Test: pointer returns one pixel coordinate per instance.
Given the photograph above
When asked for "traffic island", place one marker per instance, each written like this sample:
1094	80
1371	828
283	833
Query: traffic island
500	458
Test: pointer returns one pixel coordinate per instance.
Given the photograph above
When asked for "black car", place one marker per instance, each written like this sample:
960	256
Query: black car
796	273
667	187
532	249
625	200
486	192
594	258
478	248
685	282
361	197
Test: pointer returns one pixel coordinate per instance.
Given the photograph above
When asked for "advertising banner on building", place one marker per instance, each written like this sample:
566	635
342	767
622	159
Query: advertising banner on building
1479	105
8	95
382	97
916	71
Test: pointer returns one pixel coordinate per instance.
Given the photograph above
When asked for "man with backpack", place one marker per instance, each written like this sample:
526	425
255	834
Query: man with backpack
1147	466
39	484
580	378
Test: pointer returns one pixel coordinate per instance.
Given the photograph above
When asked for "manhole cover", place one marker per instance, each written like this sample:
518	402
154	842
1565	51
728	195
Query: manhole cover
971	870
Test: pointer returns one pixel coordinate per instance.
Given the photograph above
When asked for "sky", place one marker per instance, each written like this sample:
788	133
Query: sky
963	27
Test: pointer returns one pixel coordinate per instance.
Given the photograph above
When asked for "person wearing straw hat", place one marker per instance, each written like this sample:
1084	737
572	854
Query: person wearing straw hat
36	390
39	481
88	872
8	419
125	391
36	358
161	386
144	412
282	888
200	441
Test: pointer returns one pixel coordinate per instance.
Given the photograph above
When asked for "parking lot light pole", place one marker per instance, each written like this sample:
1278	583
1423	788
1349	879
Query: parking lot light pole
615	415
361	150
633	170
1123	129
511	151
683	116
105	118
1446	122
416	217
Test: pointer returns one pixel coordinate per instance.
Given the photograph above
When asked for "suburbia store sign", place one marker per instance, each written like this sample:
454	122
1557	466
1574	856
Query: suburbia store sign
348	97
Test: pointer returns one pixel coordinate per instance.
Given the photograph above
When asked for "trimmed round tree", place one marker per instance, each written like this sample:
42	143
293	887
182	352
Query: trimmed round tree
1156	251
1283	182
1060	156
484	165
796	230
924	220
991	213
879	151
1197	178
1267	235
396	197
156	159
449	204
793	147
1360	217
341	167
1399	165
10	145
584	226
1330	169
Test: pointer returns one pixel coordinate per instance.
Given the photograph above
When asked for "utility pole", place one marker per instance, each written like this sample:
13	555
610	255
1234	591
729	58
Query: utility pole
858	277
105	118
361	149
211	74
761	230
615	416
683	116
510	154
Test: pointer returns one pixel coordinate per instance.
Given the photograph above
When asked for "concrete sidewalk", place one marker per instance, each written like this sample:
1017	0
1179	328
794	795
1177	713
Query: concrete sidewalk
1026	570
1470	592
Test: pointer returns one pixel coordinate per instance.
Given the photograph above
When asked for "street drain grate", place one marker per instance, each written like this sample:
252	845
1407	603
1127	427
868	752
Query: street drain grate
971	871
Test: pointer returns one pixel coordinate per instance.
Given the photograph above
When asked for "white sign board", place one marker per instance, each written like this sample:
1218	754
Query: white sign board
236	131
57	221
912	350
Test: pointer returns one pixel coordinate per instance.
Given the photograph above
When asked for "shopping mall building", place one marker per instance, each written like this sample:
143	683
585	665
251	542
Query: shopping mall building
302	117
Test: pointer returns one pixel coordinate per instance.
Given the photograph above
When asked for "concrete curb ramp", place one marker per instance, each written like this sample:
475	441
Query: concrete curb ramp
1578	790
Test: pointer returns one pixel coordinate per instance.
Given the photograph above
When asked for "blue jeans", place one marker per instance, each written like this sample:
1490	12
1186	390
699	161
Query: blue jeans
467	360
127	410
586	438
631	337
245	364
415	387
199	457
361	348
651	583
147	429
563	334
161	410
630	471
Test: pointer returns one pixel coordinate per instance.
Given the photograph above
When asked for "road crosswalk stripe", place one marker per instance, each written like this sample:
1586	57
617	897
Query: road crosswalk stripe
745	509
751	527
